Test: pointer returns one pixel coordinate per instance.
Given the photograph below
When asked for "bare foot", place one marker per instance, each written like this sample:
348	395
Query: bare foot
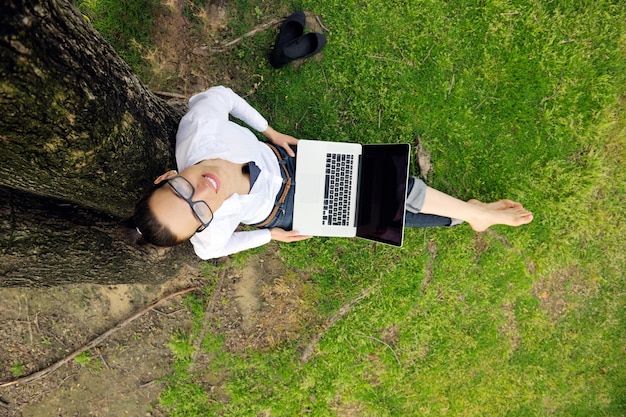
510	213
497	205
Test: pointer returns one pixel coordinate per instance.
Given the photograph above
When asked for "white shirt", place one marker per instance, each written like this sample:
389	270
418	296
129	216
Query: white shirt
206	132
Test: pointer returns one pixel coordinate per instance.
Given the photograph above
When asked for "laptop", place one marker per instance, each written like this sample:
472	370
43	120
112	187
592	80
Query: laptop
348	189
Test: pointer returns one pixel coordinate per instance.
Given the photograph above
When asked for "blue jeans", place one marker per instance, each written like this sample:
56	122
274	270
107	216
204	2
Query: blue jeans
284	217
423	220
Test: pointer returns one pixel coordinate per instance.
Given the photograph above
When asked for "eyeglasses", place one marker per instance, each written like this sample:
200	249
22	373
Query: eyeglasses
200	209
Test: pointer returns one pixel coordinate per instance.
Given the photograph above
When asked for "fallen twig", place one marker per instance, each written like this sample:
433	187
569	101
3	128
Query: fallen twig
319	21
206	50
386	344
106	365
207	314
40	374
147	384
308	352
171	313
428	54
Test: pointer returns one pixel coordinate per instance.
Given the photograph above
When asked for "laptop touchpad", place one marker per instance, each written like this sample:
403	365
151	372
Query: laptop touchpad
308	188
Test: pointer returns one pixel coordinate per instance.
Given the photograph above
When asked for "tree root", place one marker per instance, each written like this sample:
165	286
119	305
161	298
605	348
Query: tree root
345	309
95	342
207	316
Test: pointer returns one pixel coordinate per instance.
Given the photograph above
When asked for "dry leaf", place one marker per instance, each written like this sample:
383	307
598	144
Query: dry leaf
423	158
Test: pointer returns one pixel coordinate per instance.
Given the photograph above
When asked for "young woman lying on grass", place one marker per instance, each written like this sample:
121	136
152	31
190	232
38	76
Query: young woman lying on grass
228	177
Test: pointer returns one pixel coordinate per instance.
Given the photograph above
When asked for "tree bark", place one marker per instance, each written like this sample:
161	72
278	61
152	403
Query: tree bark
46	242
80	139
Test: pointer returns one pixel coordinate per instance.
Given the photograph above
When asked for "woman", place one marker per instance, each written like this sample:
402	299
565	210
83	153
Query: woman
227	177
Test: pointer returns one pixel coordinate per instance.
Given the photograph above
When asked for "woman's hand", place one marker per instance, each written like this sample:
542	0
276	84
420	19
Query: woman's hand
282	235
280	139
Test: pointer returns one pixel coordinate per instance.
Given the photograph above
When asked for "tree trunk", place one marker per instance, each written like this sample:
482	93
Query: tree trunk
46	241
81	138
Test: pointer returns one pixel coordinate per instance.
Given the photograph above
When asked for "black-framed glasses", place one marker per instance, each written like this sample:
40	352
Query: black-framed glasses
185	190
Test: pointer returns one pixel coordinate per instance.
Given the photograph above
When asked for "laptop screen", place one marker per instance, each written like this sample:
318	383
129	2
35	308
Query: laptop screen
382	193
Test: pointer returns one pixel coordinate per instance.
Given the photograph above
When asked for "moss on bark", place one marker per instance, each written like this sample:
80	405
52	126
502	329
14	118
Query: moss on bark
79	129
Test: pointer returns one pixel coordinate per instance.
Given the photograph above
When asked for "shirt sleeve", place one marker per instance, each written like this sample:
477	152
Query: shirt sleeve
239	241
221	101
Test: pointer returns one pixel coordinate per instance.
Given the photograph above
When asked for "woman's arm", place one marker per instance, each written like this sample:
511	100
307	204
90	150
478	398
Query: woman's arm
205	248
280	139
221	101
288	236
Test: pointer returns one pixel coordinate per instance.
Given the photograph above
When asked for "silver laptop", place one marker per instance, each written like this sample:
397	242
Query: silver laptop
348	189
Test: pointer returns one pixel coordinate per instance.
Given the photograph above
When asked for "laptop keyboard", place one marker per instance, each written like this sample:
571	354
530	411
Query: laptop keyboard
337	189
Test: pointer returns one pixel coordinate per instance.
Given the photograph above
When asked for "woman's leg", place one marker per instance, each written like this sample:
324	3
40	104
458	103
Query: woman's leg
415	197
479	215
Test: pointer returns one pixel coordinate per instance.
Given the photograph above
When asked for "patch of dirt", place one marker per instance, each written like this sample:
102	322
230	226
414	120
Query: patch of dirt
179	27
261	305
391	335
119	377
563	290
192	44
481	244
347	409
257	306
510	327
191	47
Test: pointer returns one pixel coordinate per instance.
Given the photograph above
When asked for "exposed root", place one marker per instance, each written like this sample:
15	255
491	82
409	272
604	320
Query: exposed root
95	342
345	309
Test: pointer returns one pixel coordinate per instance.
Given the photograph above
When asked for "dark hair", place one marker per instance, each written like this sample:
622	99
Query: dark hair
143	227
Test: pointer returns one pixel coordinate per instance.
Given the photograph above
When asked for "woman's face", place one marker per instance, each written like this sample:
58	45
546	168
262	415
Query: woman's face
211	185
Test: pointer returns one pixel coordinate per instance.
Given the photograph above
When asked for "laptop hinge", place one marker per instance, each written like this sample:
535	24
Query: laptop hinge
358	191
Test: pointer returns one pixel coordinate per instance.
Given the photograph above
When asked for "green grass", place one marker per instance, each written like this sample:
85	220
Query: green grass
125	24
517	99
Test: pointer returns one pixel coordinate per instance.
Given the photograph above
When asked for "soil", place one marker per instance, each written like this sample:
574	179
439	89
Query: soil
40	326
256	305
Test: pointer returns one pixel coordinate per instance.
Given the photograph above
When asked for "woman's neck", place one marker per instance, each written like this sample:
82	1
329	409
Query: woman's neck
239	172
